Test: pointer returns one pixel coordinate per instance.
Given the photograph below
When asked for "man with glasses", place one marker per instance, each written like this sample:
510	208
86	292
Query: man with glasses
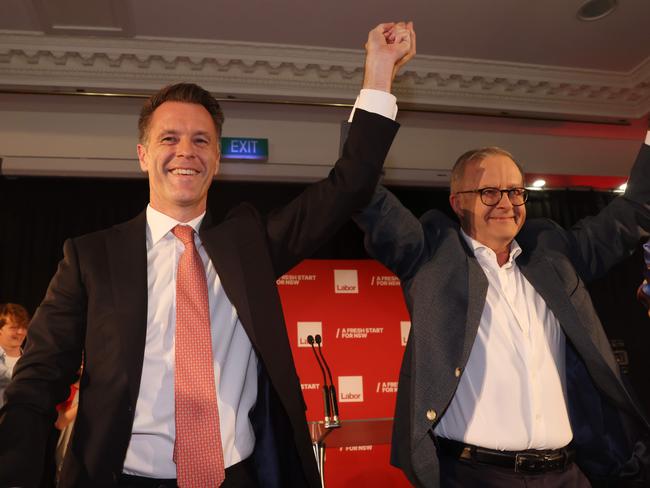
508	378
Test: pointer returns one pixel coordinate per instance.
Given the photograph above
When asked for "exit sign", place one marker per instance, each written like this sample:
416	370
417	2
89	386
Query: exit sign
244	148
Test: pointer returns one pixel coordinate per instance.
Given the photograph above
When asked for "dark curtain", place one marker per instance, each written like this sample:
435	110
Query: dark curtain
38	214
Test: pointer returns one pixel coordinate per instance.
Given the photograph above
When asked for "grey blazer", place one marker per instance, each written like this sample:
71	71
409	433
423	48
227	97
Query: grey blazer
445	290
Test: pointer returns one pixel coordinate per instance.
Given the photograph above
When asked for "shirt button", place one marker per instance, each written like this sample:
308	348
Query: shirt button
457	372
431	415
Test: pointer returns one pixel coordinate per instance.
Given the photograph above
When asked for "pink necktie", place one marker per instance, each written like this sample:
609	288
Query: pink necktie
198	453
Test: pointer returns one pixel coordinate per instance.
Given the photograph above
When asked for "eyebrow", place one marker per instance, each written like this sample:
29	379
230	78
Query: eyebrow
165	132
509	184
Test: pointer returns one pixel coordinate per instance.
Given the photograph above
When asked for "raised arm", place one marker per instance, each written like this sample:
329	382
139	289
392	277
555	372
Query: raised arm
389	47
393	235
597	243
296	230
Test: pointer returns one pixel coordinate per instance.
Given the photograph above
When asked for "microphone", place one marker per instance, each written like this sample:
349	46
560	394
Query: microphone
332	391
328	413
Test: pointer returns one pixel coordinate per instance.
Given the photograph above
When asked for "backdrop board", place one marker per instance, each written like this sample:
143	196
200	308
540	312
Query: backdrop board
358	309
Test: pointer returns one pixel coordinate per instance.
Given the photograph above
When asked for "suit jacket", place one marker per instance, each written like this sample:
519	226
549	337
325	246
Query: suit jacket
97	303
445	290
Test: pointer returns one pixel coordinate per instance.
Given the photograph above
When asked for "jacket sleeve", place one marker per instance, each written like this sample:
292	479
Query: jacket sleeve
393	235
597	243
296	230
42	377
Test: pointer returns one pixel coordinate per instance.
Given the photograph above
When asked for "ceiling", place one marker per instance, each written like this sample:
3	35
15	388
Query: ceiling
515	56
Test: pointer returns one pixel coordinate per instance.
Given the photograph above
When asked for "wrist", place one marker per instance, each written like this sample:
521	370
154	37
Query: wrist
378	74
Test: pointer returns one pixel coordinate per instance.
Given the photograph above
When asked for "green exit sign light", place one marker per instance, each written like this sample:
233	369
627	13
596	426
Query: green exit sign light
244	148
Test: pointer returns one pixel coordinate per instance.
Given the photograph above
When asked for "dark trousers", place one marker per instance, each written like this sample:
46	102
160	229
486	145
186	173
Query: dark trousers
240	475
460	473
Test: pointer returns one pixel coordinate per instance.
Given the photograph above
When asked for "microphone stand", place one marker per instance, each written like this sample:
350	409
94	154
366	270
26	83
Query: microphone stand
326	393
330	422
334	404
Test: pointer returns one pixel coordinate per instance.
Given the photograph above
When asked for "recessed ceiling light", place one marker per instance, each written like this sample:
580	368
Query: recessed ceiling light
539	183
596	9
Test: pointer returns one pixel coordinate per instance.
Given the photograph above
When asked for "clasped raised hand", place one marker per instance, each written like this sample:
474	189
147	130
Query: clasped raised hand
389	47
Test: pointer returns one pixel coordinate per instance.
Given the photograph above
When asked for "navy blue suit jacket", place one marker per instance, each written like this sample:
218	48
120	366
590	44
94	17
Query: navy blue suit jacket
97	303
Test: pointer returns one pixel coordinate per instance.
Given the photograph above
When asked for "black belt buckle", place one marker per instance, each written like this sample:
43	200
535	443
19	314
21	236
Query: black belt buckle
535	463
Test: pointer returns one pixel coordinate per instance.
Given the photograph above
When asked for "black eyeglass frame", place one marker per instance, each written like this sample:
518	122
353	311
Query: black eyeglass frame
509	191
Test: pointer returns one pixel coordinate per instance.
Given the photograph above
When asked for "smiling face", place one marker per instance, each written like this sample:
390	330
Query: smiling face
181	156
12	336
495	226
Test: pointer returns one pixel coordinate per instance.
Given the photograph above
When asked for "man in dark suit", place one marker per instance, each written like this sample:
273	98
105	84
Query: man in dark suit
507	375
120	295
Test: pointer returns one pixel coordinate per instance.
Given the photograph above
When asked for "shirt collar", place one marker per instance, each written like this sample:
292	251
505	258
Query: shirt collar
159	224
482	251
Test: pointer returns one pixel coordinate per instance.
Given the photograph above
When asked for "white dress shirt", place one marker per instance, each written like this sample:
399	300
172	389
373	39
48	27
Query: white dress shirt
7	364
235	364
151	447
512	394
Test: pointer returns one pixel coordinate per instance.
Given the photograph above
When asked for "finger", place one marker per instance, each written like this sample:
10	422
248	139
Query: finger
410	38
390	34
411	52
412	31
402	37
403	29
376	35
385	27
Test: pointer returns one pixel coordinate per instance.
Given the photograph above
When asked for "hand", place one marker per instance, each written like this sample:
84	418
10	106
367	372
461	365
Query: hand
390	46
643	297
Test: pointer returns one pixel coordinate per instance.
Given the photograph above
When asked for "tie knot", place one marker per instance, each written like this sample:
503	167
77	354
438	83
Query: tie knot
185	233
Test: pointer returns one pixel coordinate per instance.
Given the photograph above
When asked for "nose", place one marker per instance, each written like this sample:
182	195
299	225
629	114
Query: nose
505	201
185	148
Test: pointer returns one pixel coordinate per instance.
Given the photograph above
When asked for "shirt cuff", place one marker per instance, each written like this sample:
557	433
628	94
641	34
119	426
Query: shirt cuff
376	101
647	137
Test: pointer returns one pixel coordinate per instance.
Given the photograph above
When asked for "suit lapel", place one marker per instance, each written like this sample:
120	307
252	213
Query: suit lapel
541	274
221	244
477	293
596	356
454	341
127	255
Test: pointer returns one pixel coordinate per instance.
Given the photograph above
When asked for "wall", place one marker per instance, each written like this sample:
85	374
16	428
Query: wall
60	135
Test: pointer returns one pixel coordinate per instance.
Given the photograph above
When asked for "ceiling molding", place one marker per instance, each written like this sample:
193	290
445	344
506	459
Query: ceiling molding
284	72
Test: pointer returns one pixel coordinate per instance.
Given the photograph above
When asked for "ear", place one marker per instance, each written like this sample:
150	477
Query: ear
454	201
217	164
142	155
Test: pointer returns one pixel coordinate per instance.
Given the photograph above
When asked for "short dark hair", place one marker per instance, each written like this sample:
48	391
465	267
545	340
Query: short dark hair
180	92
458	171
16	312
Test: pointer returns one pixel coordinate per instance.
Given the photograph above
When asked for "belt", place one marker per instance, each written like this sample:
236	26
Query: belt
241	474
529	461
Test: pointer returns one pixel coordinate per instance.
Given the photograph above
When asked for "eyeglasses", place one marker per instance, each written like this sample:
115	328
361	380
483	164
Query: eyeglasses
492	196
